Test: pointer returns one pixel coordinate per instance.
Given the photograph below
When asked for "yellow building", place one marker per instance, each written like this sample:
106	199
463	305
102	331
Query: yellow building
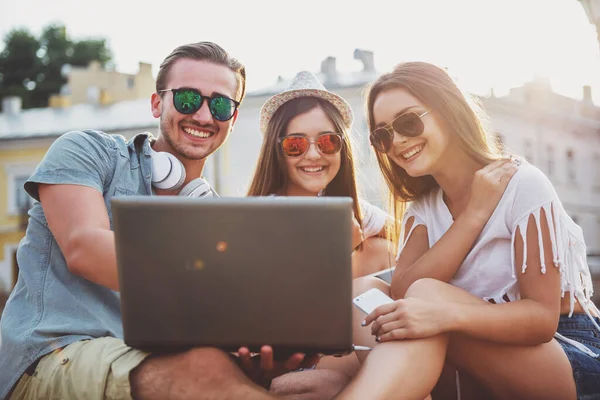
26	135
96	85
93	98
16	164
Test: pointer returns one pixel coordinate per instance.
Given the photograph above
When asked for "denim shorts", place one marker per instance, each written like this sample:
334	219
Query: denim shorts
586	369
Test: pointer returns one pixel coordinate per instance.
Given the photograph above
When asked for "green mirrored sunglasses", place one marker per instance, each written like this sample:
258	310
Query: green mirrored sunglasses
188	101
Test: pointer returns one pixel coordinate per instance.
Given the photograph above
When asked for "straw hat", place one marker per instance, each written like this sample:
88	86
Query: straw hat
304	84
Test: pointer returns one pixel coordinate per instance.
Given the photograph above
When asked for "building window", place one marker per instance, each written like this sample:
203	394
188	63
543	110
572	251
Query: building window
18	199
8	272
571	170
22	200
550	161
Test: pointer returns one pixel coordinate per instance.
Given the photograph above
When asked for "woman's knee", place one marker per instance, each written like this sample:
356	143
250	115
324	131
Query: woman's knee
361	285
424	288
440	291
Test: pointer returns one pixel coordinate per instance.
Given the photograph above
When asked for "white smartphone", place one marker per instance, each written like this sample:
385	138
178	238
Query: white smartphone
370	300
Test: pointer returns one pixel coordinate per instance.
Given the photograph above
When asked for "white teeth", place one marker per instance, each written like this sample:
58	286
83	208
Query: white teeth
312	169
412	152
196	133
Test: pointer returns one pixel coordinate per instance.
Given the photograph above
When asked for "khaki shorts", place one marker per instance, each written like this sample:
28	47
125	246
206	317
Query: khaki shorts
89	369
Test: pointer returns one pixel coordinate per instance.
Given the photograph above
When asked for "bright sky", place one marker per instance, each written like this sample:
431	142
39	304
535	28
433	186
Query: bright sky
484	43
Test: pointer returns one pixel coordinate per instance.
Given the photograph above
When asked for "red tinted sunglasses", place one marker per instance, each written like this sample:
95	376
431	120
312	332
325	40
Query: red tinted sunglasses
296	144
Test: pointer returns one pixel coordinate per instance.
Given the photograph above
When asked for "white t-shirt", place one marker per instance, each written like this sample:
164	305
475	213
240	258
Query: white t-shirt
488	271
373	219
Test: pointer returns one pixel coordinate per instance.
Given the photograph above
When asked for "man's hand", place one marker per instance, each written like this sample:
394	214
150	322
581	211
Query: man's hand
262	368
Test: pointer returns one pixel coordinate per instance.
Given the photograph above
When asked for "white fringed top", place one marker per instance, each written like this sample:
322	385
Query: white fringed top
489	270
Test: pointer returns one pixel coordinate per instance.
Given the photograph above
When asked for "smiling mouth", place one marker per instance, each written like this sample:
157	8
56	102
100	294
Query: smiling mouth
198	134
312	169
410	154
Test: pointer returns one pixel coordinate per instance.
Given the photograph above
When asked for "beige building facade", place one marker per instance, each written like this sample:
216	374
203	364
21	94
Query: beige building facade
97	85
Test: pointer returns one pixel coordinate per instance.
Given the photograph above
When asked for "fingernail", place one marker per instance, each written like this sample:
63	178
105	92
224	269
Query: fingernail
364	323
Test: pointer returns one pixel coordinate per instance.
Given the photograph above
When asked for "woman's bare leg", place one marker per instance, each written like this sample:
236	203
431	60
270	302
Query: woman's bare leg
390	362
410	368
350	364
402	369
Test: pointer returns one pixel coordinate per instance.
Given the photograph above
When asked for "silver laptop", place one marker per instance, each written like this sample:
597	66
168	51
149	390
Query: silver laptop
227	272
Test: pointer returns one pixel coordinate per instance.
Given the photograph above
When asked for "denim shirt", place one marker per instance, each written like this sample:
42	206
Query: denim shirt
50	307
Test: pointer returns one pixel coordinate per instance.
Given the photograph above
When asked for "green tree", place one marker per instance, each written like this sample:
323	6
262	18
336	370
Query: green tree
31	67
18	63
93	49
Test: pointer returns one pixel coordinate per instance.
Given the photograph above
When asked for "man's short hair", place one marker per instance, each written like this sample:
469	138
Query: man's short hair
202	51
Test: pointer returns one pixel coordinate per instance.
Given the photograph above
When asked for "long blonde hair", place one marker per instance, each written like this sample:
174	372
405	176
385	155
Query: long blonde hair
271	175
458	114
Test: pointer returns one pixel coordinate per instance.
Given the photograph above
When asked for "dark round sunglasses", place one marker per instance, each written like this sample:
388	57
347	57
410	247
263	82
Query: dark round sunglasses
408	124
188	101
296	144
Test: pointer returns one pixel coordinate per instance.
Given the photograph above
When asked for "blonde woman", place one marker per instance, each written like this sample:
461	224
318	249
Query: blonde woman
491	275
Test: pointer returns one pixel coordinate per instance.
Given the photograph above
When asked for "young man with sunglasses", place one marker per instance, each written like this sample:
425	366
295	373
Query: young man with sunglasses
61	329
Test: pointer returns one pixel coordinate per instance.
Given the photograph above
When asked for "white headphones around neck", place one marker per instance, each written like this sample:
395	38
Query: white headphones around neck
168	173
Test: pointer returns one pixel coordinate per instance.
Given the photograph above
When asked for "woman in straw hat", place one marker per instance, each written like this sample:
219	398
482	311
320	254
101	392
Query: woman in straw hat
306	152
491	275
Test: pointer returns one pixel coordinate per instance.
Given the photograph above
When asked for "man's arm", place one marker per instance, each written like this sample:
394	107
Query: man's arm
79	221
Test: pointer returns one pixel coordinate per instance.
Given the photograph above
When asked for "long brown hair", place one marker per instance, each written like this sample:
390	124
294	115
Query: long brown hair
457	113
271	175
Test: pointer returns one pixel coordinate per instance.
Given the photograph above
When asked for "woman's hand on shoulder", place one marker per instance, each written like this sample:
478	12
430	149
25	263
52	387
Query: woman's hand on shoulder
489	184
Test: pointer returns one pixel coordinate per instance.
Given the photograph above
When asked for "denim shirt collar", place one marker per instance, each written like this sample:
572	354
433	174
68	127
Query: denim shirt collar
139	155
140	144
